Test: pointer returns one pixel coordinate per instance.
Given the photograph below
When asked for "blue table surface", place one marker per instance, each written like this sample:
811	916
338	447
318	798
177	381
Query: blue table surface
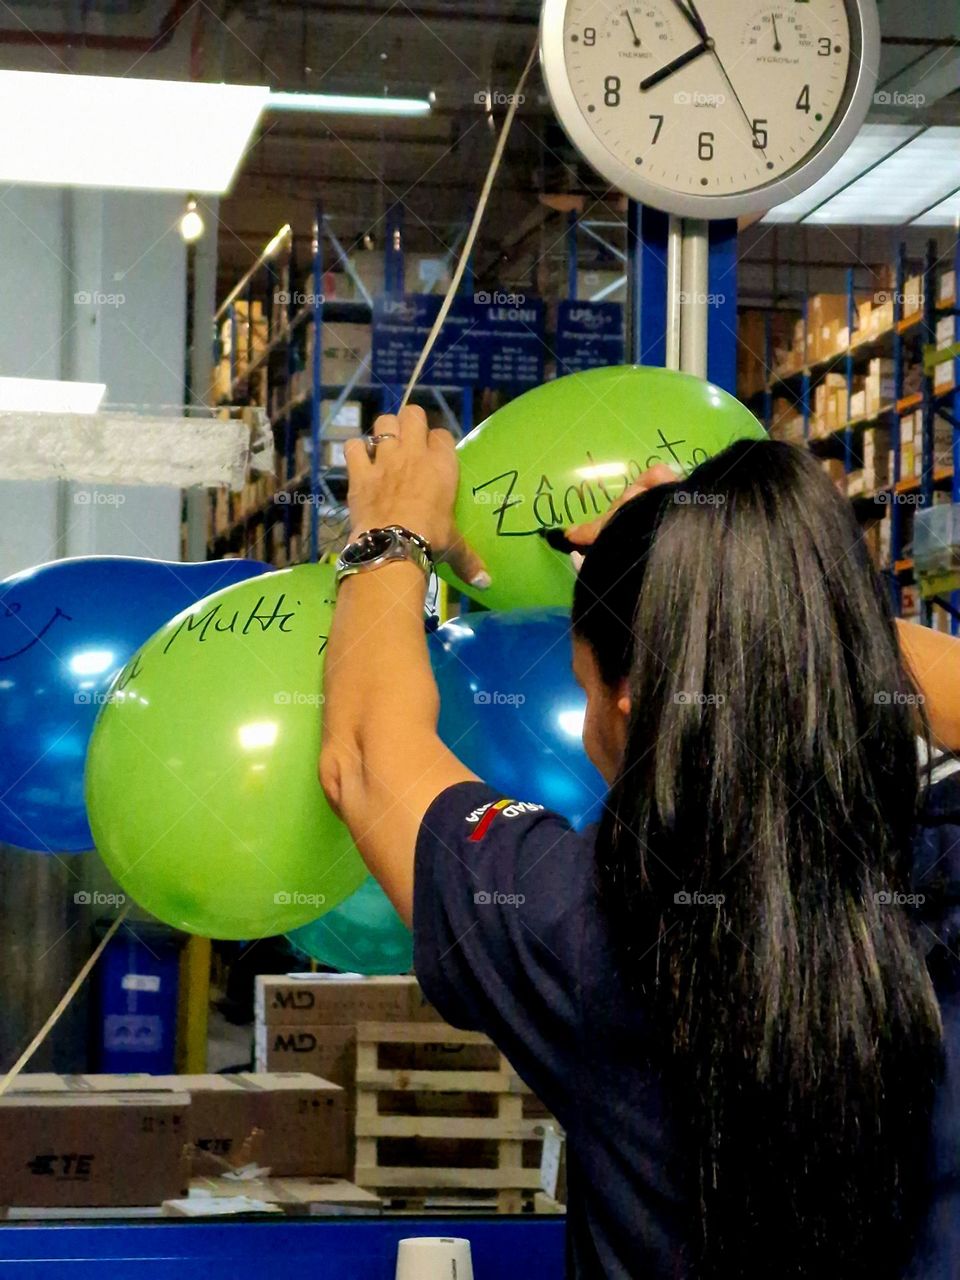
503	1248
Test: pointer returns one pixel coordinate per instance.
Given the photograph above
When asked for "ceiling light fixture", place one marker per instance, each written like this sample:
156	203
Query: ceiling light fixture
348	104
892	175
67	130
191	224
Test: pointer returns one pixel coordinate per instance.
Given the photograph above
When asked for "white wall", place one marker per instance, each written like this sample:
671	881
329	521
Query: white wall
58	250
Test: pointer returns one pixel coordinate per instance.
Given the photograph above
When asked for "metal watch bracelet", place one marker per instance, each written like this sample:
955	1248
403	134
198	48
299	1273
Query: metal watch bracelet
377	547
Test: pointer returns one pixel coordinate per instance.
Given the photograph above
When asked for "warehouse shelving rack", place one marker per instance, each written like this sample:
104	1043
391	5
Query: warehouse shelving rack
321	487
911	334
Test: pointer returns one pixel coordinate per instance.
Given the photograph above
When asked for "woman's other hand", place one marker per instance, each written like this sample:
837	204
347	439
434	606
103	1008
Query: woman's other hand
585	535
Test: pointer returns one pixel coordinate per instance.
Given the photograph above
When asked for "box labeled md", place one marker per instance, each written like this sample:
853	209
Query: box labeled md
339	999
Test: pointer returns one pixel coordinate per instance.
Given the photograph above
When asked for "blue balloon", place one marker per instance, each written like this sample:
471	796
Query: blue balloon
66	629
512	711
363	935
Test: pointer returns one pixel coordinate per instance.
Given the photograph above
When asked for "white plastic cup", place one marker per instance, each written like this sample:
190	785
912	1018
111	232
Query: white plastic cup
434	1258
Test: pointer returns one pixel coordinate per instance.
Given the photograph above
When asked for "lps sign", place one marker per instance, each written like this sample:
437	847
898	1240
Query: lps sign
589	335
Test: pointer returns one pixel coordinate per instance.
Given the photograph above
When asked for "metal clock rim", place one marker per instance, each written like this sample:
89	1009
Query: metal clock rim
865	60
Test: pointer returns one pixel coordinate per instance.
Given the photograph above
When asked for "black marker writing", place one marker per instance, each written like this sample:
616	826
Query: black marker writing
11	611
584	499
225	622
132	669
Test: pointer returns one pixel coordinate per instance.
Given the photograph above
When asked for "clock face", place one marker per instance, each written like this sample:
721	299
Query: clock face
700	107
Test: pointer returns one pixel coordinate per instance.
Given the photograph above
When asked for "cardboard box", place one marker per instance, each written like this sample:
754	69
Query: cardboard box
347	422
66	1149
947	287
943	378
912	296
339	999
302	1122
327	1051
882	317
289	1122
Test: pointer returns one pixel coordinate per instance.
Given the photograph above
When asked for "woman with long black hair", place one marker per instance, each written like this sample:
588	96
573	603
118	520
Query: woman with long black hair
726	992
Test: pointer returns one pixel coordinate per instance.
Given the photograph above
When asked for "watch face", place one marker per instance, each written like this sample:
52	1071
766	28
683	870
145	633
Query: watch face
690	102
368	547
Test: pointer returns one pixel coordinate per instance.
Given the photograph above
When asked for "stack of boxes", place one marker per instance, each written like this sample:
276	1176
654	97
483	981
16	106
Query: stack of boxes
943	379
252	338
911	445
115	1140
308	1022
827	330
786	421
752	346
829	405
879	387
877	460
345	351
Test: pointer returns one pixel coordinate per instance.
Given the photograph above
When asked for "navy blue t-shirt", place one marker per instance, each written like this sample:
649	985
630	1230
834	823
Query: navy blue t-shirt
509	939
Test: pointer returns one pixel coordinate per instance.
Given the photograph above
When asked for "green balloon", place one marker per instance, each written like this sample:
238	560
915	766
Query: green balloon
201	777
563	453
362	935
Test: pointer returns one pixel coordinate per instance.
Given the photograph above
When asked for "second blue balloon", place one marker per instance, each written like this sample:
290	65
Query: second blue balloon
512	711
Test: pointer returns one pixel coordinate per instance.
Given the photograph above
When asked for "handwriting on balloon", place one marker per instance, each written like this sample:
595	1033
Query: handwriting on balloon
30	637
218	620
554	504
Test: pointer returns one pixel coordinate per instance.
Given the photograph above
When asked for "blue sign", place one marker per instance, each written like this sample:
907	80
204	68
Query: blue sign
487	340
589	335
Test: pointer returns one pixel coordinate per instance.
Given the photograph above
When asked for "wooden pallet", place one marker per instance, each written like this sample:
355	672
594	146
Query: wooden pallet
467	1136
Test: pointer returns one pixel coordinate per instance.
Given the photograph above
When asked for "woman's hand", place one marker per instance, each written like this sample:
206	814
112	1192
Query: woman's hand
411	481
585	535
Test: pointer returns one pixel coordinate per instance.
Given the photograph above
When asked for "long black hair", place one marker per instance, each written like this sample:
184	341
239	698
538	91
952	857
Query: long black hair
754	860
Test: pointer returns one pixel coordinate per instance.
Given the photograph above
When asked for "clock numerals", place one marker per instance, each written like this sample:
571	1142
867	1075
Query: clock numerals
617	70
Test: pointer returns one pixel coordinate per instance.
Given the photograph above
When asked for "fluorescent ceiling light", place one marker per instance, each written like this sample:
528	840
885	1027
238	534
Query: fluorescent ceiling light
348	104
67	130
871	146
944	214
895	191
45	395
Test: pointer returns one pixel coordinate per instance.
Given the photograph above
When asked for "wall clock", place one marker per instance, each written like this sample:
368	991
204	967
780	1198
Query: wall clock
710	108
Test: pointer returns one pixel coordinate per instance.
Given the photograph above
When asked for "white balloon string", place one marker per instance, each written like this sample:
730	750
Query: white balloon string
62	1005
474	228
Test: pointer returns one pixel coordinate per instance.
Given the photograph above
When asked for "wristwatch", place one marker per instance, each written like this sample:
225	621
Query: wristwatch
378	547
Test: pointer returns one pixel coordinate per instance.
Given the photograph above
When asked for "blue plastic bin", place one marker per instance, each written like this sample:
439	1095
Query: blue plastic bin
137	979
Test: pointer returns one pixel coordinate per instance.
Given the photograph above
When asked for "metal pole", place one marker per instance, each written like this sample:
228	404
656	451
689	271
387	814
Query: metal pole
674	290
694	273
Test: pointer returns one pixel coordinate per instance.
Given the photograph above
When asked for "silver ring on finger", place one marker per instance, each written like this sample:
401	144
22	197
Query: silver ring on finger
373	441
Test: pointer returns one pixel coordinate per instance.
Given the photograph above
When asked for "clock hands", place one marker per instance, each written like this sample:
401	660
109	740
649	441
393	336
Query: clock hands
693	17
633	29
707	45
683	60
